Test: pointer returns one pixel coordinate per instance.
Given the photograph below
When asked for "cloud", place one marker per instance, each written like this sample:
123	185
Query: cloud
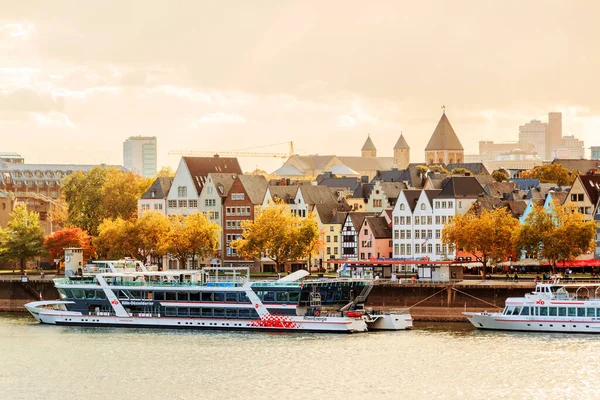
27	99
53	119
219	119
16	30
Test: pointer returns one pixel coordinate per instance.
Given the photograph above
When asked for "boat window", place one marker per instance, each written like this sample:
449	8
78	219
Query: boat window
195	296
231	297
509	310
207	296
562	311
543	311
219	312
69	294
553	312
590	312
194	312
159	296
171	296
243	298
294	297
61	292
517	310
597	312
269	297
123	295
77	293
170	312
207	312
219	297
135	294
182	312
581	312
231	312
90	294
281	297
572	311
100	294
505	312
244	313
525	311
182	296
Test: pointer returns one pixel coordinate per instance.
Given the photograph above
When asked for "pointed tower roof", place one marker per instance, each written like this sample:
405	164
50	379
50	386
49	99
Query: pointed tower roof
401	143
369	144
443	137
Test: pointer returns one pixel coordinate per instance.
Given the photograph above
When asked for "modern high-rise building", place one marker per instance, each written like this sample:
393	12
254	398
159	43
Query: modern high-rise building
553	134
533	134
595	152
139	155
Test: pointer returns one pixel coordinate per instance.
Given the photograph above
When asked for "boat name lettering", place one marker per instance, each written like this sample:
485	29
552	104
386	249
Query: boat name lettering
315	318
137	303
540	302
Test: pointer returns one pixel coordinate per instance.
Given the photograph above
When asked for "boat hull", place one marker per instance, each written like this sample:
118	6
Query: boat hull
497	321
390	322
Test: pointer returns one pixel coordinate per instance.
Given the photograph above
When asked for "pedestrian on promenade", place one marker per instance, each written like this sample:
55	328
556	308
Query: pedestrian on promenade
516	276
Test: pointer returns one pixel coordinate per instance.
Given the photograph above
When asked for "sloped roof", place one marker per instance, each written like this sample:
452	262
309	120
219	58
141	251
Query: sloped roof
392	189
287	170
541	190
591	184
491	202
368	144
284	193
358	217
560	197
343	170
431	194
518	207
411	175
223	182
461	187
412	196
363	191
348	183
326	213
368	163
392	175
310	162
582	166
255	186
401	143
526	183
317	195
159	188
500	189
476	168
443	137
379	227
200	167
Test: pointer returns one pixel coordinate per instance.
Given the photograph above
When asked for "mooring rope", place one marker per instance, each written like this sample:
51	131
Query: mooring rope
476	298
427	298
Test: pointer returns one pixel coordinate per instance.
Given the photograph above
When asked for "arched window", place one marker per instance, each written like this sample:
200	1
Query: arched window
401	207
422	206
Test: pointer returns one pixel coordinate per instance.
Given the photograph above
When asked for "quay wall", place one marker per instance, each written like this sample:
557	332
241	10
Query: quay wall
14	293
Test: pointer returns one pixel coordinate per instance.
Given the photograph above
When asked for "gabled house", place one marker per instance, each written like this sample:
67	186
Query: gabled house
350	230
155	198
459	193
585	195
190	178
375	238
280	193
245	197
402	224
383	195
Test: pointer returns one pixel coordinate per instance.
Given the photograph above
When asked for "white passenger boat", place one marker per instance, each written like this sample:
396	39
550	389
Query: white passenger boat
211	298
550	308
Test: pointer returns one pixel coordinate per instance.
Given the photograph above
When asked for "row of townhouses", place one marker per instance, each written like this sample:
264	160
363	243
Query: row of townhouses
398	214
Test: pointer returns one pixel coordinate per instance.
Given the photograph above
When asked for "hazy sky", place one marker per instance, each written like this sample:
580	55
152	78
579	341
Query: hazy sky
78	77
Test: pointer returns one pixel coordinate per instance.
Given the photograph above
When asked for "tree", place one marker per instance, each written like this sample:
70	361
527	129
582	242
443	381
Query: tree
558	234
191	236
165	172
279	235
23	237
500	175
102	193
310	238
113	238
149	233
461	171
552	173
69	237
482	231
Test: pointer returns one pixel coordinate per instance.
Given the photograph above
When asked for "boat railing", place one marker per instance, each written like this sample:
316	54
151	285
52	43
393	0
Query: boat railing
276	284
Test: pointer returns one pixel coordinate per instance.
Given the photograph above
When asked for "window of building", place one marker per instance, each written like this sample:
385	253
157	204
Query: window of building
396	250
209	190
335	250
429	220
328	250
158	206
182	191
172	203
417	220
402	249
396	234
335	238
396	220
145	207
450	204
331	228
193	203
408	220
237	196
182	203
366	232
328	239
408	250
438	234
437	219
408	234
402	221
438	248
401	207
422	206
418	234
430	248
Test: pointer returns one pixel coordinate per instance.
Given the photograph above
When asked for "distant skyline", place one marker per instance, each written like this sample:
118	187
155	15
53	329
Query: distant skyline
76	80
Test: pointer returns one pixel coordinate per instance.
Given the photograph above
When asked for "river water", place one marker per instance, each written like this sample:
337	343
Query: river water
446	361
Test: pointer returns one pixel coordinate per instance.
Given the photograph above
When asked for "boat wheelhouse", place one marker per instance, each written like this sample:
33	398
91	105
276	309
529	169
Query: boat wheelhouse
211	298
549	308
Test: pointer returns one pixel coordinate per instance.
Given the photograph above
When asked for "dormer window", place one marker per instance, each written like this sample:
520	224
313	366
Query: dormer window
153	193
182	191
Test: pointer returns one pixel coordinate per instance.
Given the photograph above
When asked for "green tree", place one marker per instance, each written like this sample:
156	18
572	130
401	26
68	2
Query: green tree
23	238
558	234
277	234
482	231
552	173
500	175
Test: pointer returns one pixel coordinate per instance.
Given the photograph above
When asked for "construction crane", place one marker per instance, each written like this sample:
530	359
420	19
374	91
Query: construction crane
240	153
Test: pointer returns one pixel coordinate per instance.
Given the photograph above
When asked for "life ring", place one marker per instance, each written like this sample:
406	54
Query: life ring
317	313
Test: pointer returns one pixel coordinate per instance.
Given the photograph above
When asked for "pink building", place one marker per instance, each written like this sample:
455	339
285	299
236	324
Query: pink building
375	239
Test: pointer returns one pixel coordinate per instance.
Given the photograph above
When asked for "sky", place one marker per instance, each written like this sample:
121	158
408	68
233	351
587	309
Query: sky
77	78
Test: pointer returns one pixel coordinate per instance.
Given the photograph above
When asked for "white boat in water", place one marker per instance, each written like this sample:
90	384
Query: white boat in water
115	295
549	308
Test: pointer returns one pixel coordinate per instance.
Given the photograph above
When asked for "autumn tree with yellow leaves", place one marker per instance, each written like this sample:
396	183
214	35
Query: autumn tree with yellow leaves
191	236
278	234
482	231
551	173
556	234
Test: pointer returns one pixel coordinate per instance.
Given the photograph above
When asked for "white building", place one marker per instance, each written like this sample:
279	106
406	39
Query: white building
155	198
139	155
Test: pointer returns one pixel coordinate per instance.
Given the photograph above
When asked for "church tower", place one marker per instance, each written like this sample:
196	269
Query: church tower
368	149
444	146
401	153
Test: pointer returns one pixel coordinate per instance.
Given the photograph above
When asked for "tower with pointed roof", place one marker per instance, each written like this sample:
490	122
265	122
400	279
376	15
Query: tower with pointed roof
368	149
401	153
444	146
